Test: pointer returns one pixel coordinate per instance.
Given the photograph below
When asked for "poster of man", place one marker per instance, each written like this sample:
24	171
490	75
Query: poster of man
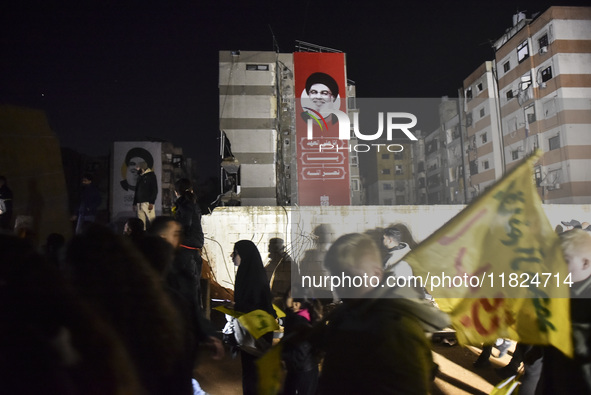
127	157
321	88
133	158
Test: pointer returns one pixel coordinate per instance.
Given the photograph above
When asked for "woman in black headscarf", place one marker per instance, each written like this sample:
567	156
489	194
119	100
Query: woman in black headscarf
251	292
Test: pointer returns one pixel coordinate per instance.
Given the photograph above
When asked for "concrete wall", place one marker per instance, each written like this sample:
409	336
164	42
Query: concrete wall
298	226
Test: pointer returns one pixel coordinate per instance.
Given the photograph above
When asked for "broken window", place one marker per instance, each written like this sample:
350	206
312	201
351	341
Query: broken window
522	51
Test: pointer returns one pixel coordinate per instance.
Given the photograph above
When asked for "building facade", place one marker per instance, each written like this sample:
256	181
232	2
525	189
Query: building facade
544	77
259	148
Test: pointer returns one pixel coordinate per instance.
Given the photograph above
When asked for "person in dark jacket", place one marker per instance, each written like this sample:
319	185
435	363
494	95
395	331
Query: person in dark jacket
185	274
89	202
251	292
146	191
375	340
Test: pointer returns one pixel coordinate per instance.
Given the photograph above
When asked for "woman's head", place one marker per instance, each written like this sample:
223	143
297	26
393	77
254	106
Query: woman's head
184	187
246	250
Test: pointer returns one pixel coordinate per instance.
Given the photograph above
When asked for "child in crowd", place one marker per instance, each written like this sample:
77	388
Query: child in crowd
300	361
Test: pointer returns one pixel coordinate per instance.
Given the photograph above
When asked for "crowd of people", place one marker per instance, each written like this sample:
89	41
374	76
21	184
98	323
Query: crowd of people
107	313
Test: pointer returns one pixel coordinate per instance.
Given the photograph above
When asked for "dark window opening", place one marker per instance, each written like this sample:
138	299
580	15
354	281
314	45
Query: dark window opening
543	41
257	67
554	142
547	74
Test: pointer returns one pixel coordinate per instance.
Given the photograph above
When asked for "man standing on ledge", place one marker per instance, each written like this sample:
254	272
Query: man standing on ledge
146	191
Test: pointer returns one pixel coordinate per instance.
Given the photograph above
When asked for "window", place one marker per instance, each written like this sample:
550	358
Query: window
388	202
354	161
421	166
399	155
385	156
399	170
543	41
388	187
469	119
530	113
509	94
547	74
506	66
257	67
431	146
484	138
354	184
525	81
385	171
515	154
479	86
522	51
554	142
473	167
485	164
482	112
469	93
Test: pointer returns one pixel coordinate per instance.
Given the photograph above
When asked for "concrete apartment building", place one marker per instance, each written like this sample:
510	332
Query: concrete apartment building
453	138
389	177
257	113
481	117
535	94
544	74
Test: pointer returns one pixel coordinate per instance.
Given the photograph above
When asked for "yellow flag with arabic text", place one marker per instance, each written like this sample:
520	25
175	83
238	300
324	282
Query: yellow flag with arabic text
497	267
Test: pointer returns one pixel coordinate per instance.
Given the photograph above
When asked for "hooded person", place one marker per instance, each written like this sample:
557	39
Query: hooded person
251	292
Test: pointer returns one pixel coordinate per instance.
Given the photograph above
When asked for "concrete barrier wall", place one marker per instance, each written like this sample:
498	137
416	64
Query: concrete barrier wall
298	226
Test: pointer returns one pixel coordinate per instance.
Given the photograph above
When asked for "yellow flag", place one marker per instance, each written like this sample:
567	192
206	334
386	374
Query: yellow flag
269	371
278	311
497	267
258	322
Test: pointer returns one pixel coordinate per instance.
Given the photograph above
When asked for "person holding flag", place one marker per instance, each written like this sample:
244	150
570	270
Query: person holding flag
251	294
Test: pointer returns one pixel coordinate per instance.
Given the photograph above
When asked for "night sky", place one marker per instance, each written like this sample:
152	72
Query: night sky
121	70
